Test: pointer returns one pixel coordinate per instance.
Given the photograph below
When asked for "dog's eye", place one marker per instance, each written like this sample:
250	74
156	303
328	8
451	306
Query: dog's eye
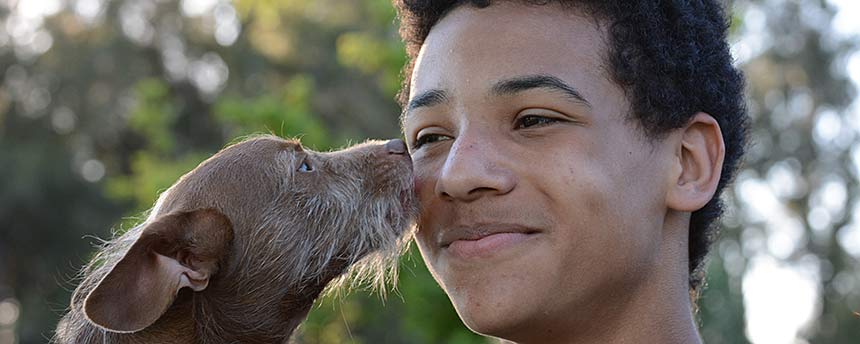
305	167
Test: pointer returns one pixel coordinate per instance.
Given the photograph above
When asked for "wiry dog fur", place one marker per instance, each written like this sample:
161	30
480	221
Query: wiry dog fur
247	241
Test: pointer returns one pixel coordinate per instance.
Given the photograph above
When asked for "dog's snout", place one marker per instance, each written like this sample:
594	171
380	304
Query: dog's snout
396	146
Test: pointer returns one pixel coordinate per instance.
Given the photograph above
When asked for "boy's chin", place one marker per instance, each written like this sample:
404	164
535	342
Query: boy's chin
494	316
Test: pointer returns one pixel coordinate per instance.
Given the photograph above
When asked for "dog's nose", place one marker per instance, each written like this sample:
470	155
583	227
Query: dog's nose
396	146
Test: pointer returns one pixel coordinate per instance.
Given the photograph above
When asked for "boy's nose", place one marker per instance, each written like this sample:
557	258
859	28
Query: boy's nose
474	169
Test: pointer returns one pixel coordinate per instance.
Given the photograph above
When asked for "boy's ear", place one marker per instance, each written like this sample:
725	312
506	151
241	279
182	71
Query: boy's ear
700	153
176	250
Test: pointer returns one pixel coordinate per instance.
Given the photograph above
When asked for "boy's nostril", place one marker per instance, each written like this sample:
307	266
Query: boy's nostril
396	146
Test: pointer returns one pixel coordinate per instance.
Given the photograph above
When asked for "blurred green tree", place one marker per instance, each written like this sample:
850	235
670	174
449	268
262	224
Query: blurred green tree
793	208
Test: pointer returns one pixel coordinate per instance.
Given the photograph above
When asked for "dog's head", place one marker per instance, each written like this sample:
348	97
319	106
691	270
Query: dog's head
262	221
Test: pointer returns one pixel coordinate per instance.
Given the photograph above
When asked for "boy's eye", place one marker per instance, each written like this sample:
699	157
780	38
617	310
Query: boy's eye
428	138
528	121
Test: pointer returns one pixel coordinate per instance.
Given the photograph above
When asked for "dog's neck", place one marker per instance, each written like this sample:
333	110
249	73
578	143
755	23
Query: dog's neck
223	313
198	318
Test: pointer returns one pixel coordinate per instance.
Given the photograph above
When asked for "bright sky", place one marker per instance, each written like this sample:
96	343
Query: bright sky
782	298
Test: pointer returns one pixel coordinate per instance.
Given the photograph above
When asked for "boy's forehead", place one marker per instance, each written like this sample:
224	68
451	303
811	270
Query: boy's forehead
471	50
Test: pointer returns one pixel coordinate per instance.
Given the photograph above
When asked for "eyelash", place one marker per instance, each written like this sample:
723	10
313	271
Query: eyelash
543	120
425	139
520	123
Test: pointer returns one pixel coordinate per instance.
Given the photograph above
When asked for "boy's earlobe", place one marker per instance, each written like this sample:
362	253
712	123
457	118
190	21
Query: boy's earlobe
700	153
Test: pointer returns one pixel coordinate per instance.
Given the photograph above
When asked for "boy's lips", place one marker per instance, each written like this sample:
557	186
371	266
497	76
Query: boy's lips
483	240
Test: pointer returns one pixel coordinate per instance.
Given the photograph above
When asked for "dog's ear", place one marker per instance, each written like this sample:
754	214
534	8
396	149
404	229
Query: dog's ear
175	251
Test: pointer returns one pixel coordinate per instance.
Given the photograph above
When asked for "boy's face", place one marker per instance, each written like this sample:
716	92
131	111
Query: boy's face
542	205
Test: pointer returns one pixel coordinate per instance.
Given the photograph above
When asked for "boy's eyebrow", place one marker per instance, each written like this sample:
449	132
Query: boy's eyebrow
424	99
427	98
518	84
504	87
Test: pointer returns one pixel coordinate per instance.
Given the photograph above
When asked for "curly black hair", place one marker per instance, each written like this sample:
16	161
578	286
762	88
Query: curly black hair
672	60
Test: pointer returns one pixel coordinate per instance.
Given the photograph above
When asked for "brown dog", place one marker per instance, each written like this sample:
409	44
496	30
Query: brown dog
240	247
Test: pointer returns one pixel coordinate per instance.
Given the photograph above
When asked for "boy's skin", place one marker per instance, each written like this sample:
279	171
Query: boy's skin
525	143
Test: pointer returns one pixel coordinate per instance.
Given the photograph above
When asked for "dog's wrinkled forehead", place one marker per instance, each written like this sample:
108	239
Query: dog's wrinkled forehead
251	173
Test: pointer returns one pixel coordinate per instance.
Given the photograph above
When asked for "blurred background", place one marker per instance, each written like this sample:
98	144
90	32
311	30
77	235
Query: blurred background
105	103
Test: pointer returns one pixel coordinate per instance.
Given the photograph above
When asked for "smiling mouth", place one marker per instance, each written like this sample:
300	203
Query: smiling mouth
472	244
